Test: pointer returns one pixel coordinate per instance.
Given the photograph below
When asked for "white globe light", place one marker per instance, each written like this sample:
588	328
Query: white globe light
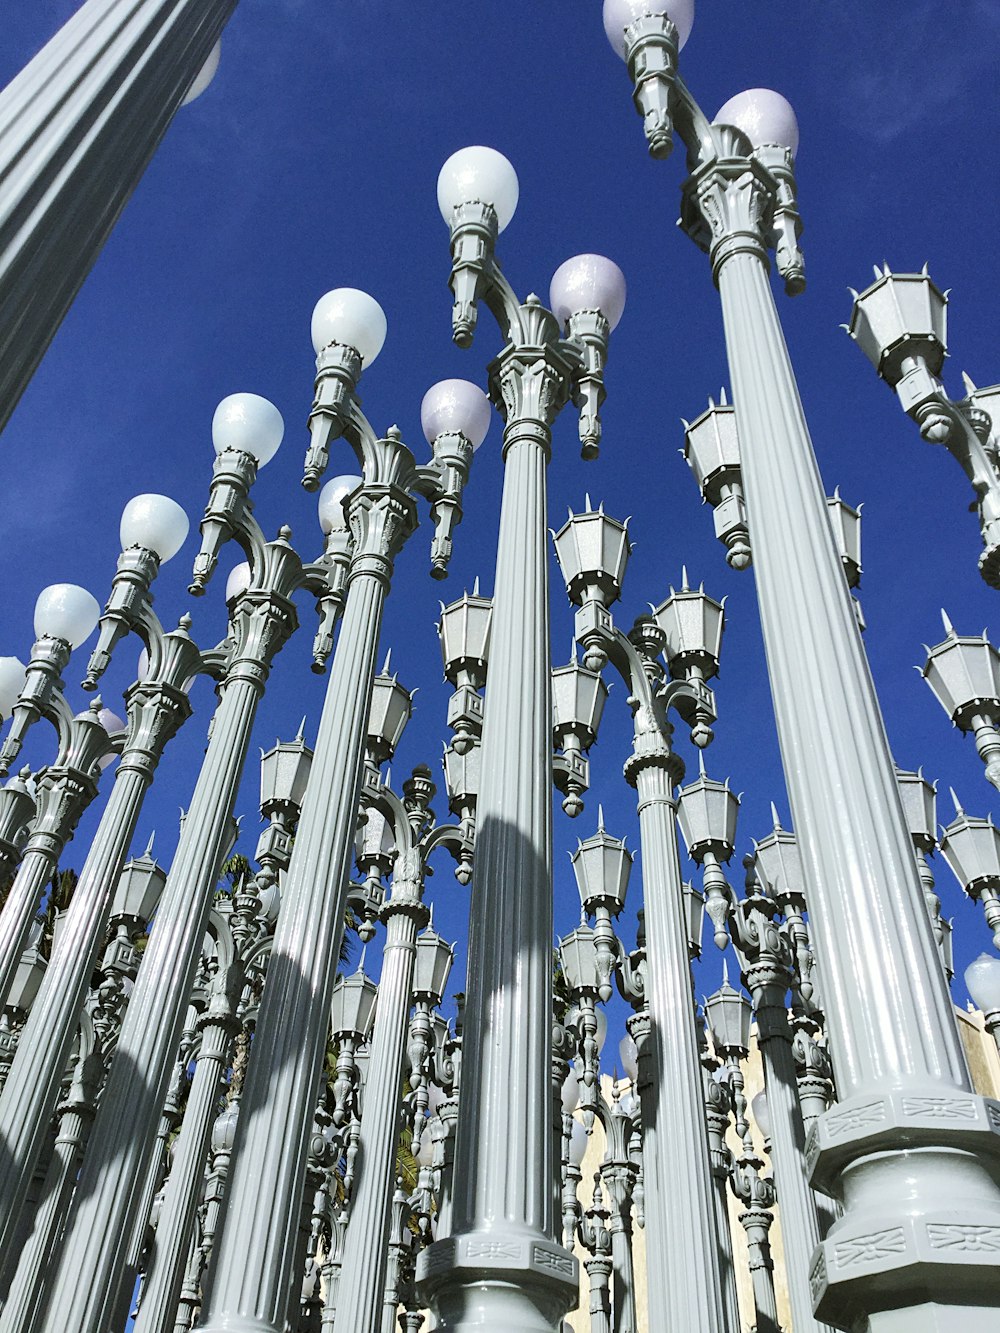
239	580
205	75
629	1054
570	1094
588	282
602	1029
66	611
982	979
352	318
12	676
331	502
764	116
761	1113
577	1143
155	522
455	405
249	423
478	175
425	1157
618	14
110	721
270	901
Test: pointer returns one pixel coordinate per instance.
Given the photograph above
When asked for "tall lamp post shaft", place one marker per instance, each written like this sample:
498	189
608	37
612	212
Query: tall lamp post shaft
898	1056
254	1258
360	1302
78	127
682	1294
499	1269
94	1251
32	1088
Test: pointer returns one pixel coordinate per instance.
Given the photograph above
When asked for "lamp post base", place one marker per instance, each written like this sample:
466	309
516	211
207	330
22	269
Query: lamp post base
933	1318
498	1280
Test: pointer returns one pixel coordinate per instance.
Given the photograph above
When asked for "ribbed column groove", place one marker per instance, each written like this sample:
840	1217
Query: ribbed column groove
682	1256
253	1265
78	127
32	1088
92	1259
161	1286
359	1307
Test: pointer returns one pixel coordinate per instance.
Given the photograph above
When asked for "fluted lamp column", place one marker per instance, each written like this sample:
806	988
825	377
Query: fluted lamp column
153	530
500	1268
92	1266
899	1257
593	550
253	1265
78	127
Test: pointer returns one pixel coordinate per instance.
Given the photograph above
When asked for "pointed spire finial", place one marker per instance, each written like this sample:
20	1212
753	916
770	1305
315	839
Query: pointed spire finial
388	659
600	818
970	388
475	586
775	816
723	397
949	628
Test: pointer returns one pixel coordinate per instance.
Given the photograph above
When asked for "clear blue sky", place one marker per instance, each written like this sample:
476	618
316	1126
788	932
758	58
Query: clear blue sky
311	163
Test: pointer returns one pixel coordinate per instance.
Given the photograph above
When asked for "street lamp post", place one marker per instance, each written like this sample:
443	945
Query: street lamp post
900	324
153	530
93	1260
404	975
500	1268
78	126
592	549
250	1282
898	1057
963	673
708	812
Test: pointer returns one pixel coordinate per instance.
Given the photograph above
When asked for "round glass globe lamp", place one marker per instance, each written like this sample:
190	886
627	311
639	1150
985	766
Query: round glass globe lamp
478	175
12	676
330	507
352	318
66	611
155	522
764	116
240	578
455	405
982	979
205	75
249	423
588	282
618	14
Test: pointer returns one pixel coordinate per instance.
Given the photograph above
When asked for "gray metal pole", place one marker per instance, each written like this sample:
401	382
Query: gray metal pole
78	127
900	1068
680	1203
32	1088
800	1232
92	1260
75	1117
253	1264
500	1269
359	1309
64	791
161	1286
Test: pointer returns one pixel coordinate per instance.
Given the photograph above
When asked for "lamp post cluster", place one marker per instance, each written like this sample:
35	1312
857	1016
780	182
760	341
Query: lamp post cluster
203	1118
